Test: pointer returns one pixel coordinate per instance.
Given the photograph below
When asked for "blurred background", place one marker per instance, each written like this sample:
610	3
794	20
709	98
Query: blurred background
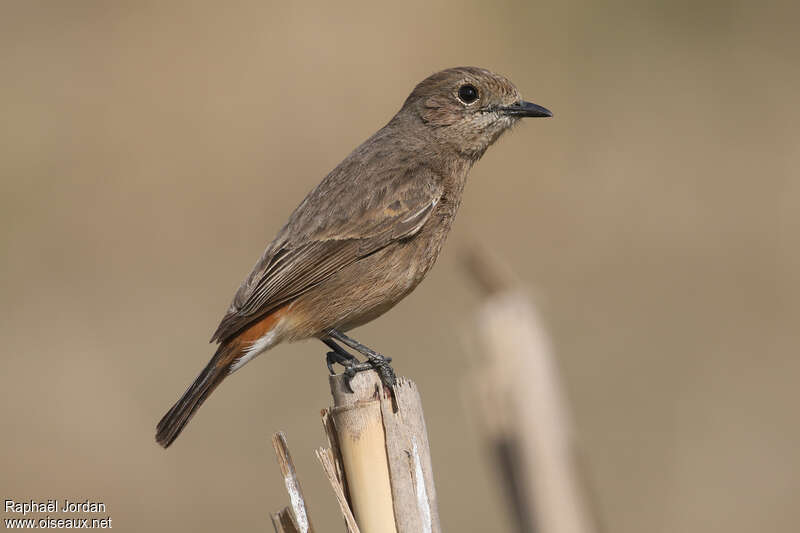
150	150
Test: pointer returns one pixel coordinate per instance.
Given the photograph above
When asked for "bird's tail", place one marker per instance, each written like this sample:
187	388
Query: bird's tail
231	355
212	375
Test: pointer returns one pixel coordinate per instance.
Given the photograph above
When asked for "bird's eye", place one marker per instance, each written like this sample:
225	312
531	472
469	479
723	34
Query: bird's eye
467	93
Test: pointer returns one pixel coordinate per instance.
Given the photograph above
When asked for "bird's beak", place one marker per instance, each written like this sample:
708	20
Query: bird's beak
525	109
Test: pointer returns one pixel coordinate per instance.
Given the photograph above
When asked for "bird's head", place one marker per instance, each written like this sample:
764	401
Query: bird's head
468	108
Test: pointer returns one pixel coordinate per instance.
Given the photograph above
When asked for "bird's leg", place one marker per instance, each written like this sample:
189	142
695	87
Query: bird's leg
376	360
338	355
350	363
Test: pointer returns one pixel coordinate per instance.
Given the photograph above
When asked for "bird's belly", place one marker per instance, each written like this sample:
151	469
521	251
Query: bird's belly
360	292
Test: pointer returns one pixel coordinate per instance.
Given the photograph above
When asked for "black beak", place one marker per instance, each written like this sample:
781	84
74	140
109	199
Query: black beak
526	109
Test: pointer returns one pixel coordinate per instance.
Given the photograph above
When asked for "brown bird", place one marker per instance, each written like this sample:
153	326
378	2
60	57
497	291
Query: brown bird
366	235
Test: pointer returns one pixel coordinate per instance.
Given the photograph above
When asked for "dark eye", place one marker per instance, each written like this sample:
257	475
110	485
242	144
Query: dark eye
468	93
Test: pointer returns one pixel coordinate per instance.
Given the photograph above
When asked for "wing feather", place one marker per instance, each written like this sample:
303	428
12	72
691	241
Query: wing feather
299	259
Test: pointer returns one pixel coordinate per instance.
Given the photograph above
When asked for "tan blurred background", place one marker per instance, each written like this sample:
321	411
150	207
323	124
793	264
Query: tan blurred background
149	150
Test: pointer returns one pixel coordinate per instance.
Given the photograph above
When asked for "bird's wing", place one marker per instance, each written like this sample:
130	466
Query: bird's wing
335	226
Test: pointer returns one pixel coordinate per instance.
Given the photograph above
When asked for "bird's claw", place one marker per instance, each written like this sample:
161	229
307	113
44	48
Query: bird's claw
353	367
375	361
332	358
385	371
351	370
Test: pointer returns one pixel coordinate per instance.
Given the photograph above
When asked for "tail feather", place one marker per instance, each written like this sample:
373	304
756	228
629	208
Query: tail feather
179	415
231	355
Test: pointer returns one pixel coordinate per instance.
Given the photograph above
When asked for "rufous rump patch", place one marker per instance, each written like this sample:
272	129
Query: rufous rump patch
246	338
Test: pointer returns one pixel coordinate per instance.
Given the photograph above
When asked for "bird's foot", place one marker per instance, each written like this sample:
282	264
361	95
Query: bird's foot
341	357
353	366
381	365
351	371
375	361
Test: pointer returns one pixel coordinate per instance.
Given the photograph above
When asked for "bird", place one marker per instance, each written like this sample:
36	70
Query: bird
365	236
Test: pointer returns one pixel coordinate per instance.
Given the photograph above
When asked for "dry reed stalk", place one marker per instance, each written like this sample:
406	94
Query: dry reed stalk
517	397
381	443
295	518
377	461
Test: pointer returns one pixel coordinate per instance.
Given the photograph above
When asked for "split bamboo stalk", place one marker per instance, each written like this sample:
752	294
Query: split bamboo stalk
330	465
293	519
381	446
283	521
